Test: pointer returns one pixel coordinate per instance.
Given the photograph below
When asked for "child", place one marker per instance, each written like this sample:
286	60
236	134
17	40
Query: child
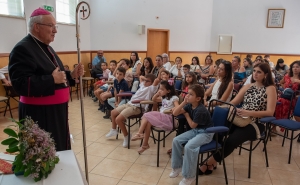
126	64
120	85
166	94
100	83
199	119
122	112
190	79
186	68
164	75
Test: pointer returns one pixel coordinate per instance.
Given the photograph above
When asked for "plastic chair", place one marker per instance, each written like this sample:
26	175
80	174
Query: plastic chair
222	119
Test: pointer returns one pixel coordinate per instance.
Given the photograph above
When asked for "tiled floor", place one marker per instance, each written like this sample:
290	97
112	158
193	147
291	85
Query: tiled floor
110	164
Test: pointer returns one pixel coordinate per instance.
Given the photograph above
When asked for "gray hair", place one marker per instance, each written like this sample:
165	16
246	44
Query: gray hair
32	20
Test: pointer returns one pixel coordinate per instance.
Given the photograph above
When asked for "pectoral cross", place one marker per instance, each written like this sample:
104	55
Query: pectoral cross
83	10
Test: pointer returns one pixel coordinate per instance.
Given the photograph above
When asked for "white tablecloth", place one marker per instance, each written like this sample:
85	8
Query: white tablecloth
66	172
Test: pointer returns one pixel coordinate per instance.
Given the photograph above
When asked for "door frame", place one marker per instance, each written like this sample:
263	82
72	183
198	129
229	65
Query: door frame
161	30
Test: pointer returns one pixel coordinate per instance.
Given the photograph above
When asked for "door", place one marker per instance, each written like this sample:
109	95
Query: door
157	43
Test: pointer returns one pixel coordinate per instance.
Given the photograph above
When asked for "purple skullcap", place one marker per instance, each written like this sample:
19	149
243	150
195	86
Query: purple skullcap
39	11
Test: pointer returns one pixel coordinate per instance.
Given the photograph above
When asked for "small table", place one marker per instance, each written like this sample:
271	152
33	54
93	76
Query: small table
66	172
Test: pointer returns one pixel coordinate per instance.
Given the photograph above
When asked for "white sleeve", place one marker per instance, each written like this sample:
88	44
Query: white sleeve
3	71
174	98
167	66
248	81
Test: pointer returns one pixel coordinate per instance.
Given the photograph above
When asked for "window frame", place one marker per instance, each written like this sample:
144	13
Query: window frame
65	23
23	17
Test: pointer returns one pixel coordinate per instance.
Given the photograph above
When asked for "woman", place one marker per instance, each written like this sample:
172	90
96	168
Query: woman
136	64
262	88
147	66
281	69
290	80
206	70
248	66
195	65
222	88
176	70
239	72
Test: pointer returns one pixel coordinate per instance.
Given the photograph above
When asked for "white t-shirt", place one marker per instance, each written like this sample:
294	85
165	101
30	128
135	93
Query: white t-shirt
194	68
248	81
174	71
167	66
215	92
110	76
144	93
168	104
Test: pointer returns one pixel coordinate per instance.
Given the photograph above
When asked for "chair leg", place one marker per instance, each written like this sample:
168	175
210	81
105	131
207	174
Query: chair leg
224	167
153	136
265	150
117	137
9	109
128	134
7	105
240	150
285	135
250	155
158	142
197	169
291	146
164	142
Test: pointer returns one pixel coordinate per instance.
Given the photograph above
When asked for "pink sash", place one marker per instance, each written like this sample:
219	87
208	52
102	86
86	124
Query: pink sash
60	96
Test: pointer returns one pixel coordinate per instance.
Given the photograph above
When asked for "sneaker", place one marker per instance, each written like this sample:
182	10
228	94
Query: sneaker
185	181
125	142
175	173
112	132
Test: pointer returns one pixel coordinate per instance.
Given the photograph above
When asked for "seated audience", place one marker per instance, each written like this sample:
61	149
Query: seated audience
185	147
166	63
239	74
186	68
257	61
207	70
120	85
195	65
259	100
281	69
217	63
177	69
125	63
290	80
189	79
96	64
159	65
222	88
248	66
3	71
136	64
148	87
147	66
167	96
267	57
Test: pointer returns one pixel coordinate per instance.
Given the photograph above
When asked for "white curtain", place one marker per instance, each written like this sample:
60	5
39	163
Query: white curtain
12	7
65	11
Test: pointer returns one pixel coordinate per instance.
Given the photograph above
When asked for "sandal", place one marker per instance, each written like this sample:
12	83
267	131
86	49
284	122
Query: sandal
137	136
208	171
143	148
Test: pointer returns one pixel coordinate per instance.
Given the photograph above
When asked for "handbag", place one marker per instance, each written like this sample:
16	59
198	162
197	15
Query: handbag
238	120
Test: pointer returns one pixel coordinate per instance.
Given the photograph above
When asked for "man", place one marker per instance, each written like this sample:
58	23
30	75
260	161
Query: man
96	64
38	75
3	71
267	57
167	65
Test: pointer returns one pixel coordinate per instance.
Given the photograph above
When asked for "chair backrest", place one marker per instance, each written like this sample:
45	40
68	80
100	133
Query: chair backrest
297	108
222	115
178	84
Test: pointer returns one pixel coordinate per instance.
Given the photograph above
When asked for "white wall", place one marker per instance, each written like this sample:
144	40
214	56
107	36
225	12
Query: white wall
246	21
13	30
114	23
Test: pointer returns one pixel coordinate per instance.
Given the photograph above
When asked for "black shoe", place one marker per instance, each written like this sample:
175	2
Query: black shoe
100	107
106	117
95	99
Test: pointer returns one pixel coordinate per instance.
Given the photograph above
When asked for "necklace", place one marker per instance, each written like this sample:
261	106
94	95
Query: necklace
44	52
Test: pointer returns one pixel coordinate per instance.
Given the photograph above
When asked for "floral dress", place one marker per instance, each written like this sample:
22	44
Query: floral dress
281	111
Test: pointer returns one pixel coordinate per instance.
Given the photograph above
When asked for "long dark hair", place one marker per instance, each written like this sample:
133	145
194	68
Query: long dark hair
265	67
278	66
249	62
136	58
143	73
291	74
194	81
226	79
199	91
128	62
197	59
170	88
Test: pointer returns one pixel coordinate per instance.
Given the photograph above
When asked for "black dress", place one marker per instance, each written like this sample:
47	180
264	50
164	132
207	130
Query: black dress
30	71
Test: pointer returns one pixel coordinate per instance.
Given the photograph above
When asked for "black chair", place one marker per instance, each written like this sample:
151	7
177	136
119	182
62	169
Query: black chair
290	125
222	119
6	101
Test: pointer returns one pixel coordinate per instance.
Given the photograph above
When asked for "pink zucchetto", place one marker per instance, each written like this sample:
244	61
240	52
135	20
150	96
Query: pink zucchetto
39	11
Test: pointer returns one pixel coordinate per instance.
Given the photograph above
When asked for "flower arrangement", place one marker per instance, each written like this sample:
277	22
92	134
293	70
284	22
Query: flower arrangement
34	147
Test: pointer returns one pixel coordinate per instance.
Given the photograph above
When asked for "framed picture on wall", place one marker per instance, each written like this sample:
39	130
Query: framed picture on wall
275	18
225	44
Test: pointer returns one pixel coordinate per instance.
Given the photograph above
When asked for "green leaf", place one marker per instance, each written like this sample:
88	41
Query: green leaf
8	141
47	166
10	132
27	172
13	144
12	150
56	160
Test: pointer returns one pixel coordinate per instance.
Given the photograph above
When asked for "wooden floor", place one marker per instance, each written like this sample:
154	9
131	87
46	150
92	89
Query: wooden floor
110	164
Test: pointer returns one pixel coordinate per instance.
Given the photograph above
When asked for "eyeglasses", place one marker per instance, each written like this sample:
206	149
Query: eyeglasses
49	25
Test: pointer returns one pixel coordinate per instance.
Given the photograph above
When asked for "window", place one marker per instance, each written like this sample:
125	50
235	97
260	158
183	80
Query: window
12	8
65	11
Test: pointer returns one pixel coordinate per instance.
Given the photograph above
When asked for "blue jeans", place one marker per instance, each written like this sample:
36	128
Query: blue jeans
111	102
193	139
